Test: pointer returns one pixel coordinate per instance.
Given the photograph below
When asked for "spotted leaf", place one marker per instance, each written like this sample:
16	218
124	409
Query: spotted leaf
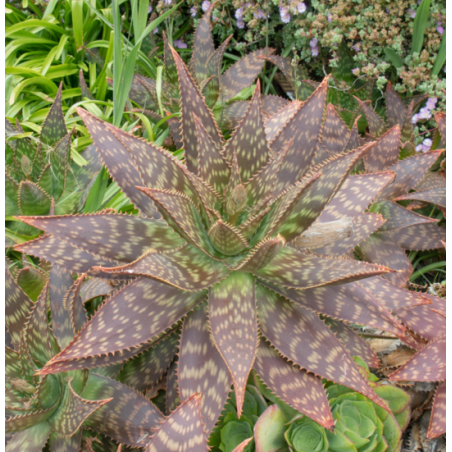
158	168
151	307
113	236
93	288
296	387
425	236
17	307
292	268
213	167
440	119
232	313
355	195
186	268
201	368
437	425
249	140
376	125
284	208
170	64
32	439
214	63
145	370
59	160
226	238
182	214
298	334
242	74
385	151
54	126
60	283
345	302
63	254
429	364
25	421
172	388
128	418
118	162
193	102
335	134
355	137
304	127
262	254
275	124
59	443
250	226
182	428
398	217
435	196
355	345
379	247
37	333
317	195
425	320
272	104
408	173
73	411
391	296
262	184
33	200
395	108
363	226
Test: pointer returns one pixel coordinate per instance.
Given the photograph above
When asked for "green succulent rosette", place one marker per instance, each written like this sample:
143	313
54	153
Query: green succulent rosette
305	435
231	431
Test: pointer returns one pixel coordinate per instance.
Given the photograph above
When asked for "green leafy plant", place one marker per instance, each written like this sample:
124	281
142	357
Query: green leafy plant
305	435
53	409
41	178
240	232
232	430
161	96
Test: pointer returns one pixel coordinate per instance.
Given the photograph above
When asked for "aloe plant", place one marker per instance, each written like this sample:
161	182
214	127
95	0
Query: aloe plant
53	409
238	230
41	178
162	97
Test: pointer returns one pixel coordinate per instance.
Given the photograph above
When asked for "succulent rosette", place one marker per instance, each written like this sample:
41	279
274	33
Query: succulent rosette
239	268
305	435
50	412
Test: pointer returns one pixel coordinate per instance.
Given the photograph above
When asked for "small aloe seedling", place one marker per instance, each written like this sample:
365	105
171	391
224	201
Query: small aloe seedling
39	177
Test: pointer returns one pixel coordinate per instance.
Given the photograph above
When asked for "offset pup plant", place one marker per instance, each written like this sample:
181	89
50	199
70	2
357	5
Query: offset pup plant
224	269
205	68
53	409
39	177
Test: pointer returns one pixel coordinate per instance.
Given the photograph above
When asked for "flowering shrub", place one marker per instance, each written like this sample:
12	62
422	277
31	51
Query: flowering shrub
314	29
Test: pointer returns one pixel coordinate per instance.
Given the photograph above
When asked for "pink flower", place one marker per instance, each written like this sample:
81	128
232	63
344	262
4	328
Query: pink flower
240	23
193	11
313	42
285	16
180	44
314	51
205	5
150	9
415	119
301	8
440	30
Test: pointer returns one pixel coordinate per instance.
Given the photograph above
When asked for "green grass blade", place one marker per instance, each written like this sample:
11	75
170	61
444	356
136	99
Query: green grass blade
420	24
428	268
77	22
393	58
441	57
